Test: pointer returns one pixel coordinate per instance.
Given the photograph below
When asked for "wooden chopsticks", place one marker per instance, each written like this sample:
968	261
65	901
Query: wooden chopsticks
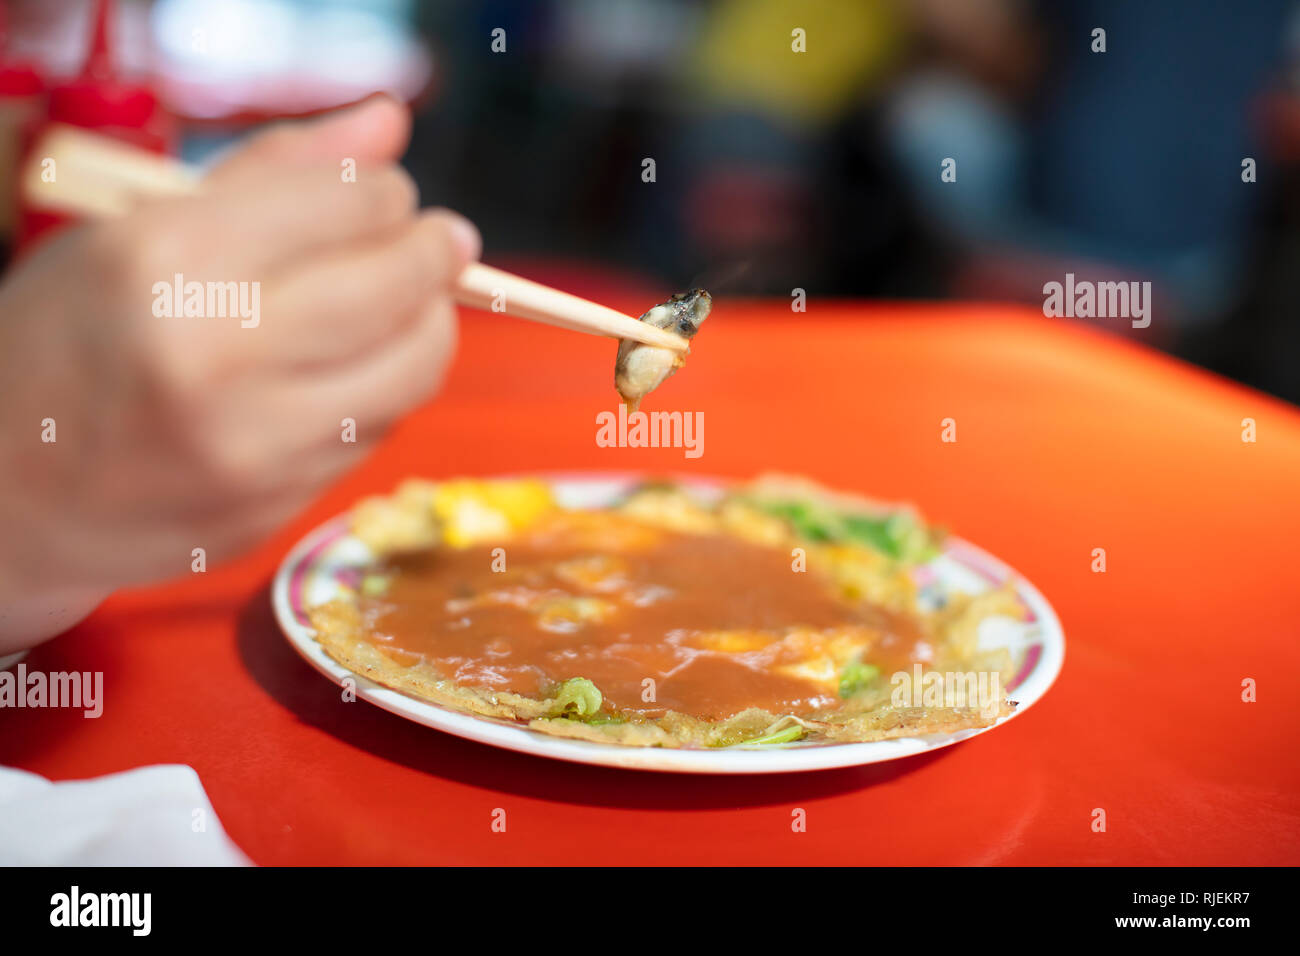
482	287
98	176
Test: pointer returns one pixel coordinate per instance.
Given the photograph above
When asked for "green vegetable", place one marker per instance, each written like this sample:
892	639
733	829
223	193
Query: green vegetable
809	521
375	585
897	535
791	733
878	533
856	676
577	698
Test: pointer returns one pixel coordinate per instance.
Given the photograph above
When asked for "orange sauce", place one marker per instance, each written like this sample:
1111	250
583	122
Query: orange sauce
660	596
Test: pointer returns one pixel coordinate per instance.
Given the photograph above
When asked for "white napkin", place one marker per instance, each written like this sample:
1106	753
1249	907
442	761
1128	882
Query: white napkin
151	816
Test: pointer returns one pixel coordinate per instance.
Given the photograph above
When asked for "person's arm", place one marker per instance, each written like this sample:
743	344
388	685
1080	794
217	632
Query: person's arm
130	437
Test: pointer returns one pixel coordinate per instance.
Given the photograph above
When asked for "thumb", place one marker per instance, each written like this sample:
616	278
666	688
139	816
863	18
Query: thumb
375	130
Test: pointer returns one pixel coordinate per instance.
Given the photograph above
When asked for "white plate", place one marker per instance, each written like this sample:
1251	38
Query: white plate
314	572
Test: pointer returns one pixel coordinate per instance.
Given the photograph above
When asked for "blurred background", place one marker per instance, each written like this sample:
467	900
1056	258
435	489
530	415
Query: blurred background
774	169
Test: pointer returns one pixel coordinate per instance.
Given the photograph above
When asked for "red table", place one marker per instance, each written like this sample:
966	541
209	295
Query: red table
1069	439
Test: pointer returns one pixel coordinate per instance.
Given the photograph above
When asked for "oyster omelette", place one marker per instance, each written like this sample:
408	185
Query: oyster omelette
775	612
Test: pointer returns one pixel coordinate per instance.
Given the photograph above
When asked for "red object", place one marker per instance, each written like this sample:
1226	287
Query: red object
17	79
1069	439
20	91
98	99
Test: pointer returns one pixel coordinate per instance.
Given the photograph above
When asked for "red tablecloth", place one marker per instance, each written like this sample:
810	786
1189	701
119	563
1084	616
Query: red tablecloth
1068	440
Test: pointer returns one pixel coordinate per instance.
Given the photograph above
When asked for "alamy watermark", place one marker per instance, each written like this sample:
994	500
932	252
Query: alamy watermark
208	300
978	690
651	430
129	910
1101	300
75	689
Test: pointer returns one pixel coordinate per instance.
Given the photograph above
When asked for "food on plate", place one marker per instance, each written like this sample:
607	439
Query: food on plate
766	613
639	369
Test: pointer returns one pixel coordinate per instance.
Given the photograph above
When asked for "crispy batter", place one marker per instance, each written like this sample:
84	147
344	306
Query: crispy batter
340	632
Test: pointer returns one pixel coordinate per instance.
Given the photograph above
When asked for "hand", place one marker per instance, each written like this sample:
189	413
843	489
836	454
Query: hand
179	432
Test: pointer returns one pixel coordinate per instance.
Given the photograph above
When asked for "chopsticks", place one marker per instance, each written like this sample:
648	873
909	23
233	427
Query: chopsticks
481	287
97	176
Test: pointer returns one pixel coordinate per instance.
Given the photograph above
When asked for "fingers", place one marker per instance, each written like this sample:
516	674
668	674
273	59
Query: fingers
374	131
339	305
407	370
314	208
289	431
259	225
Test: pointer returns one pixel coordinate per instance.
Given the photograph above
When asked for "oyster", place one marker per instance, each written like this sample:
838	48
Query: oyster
639	369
